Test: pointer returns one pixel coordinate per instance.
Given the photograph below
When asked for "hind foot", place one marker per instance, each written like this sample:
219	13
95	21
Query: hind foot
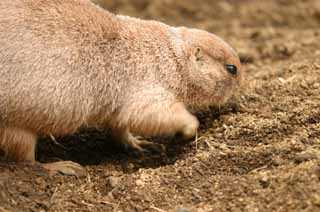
19	146
66	168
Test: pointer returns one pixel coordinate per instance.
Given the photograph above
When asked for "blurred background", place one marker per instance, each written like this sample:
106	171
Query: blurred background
217	14
248	25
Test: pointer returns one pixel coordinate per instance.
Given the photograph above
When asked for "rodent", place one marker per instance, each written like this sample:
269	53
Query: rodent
66	64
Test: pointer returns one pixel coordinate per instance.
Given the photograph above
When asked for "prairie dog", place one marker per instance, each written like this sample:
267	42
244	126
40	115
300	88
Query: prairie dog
66	64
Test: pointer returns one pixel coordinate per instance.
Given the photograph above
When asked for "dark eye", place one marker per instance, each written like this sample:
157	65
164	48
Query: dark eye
232	69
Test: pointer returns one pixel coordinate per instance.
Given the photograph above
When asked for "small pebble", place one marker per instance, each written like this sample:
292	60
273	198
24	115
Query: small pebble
113	181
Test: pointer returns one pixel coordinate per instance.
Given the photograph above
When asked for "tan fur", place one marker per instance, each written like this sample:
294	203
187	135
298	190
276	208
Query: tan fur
18	144
65	64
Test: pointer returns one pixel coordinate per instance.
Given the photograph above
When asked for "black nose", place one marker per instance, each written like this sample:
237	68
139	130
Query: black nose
232	69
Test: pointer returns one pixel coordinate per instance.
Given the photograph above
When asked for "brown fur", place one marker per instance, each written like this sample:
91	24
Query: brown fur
18	144
68	63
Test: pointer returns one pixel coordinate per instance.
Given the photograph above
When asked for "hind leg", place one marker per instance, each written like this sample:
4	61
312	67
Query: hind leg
19	145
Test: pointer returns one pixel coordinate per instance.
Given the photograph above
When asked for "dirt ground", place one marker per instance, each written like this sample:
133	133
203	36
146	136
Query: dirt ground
260	152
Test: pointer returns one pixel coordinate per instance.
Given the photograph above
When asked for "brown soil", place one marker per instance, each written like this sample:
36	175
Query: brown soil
259	153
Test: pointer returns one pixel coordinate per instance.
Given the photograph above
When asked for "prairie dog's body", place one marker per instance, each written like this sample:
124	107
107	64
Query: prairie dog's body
68	63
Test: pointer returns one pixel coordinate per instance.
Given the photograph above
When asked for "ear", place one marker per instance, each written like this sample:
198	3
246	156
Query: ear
198	54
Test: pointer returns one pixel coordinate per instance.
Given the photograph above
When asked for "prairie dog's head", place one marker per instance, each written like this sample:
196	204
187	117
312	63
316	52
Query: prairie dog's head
213	67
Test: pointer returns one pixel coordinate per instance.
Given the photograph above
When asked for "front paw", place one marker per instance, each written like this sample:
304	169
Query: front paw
139	145
190	129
